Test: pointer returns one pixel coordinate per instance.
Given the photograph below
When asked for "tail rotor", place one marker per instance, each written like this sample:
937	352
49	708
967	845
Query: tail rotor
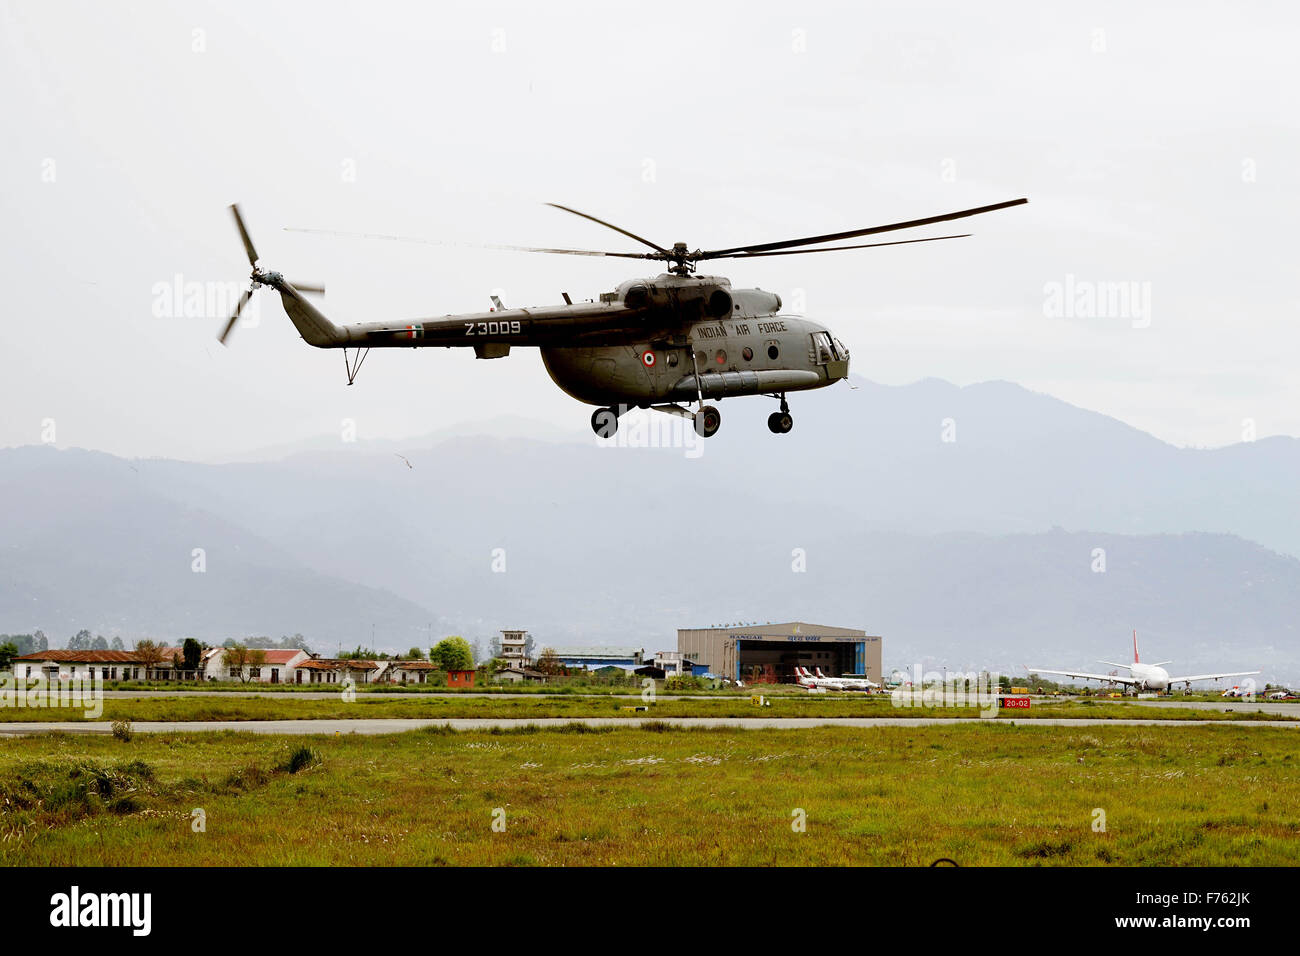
258	277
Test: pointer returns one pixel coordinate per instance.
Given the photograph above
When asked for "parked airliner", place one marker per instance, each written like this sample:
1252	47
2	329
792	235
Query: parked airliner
1143	676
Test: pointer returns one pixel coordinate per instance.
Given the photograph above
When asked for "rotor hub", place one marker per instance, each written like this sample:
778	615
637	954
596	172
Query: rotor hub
683	262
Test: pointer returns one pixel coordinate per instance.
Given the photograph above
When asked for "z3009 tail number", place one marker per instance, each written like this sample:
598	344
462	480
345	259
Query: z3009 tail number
504	327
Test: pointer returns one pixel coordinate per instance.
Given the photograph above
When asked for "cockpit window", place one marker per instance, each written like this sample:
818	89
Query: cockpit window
824	346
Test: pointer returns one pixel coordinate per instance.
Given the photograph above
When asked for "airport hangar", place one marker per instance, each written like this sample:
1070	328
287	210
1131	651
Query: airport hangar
769	653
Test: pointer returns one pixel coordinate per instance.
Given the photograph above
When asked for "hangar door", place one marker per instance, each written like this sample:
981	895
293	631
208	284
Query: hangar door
773	662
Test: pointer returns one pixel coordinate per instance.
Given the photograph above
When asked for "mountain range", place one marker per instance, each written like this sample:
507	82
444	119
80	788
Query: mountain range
974	526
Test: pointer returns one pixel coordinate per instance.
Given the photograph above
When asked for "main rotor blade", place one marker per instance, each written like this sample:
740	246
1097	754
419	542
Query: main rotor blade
610	225
854	233
243	234
471	245
234	316
865	245
318	289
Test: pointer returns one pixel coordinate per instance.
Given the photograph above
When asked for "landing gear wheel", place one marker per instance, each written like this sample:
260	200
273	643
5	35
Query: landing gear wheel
778	423
707	421
604	422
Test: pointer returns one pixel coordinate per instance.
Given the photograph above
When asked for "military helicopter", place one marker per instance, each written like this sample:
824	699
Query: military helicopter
659	343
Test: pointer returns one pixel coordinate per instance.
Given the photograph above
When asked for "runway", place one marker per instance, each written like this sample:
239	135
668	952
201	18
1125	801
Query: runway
399	724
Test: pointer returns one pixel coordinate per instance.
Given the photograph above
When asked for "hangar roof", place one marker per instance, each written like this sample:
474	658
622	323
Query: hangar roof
789	627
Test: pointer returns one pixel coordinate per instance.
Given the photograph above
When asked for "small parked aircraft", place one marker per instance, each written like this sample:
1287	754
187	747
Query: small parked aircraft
821	681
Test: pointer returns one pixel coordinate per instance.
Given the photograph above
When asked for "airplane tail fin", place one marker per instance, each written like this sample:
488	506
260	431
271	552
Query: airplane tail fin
1136	659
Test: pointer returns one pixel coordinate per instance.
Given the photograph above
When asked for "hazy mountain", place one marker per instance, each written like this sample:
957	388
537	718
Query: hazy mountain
84	543
952	550
1020	462
506	426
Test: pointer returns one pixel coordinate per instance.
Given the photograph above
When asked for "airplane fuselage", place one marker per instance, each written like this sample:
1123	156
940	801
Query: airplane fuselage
1152	677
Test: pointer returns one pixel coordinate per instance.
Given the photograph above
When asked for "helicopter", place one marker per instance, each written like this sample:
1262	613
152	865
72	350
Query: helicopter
658	343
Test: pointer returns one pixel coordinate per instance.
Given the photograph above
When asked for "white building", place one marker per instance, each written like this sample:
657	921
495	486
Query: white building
275	666
672	663
106	665
514	648
408	672
327	670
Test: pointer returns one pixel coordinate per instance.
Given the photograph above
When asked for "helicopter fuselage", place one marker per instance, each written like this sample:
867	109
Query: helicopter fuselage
713	358
664	339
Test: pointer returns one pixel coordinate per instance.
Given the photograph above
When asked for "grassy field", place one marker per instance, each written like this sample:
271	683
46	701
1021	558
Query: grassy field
199	707
561	687
978	794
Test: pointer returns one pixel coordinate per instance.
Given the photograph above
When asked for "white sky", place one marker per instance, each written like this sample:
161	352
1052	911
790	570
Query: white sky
1168	158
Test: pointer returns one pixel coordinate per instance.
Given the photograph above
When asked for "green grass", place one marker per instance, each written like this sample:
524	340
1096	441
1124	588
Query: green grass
979	794
199	707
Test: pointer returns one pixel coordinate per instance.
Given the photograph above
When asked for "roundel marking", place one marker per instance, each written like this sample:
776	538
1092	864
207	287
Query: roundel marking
648	359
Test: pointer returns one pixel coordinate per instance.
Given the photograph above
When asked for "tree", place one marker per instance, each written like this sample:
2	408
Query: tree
117	645
191	651
549	662
415	654
236	656
39	642
528	648
100	643
79	641
453	654
149	654
295	643
256	658
24	643
494	647
8	651
476	650
240	656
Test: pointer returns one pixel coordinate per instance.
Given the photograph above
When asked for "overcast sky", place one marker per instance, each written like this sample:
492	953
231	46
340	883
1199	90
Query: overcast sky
1157	148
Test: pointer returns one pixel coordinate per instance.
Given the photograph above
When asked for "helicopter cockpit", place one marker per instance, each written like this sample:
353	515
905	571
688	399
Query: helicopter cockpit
828	348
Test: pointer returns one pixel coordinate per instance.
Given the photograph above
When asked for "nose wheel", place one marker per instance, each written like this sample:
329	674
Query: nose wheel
778	423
